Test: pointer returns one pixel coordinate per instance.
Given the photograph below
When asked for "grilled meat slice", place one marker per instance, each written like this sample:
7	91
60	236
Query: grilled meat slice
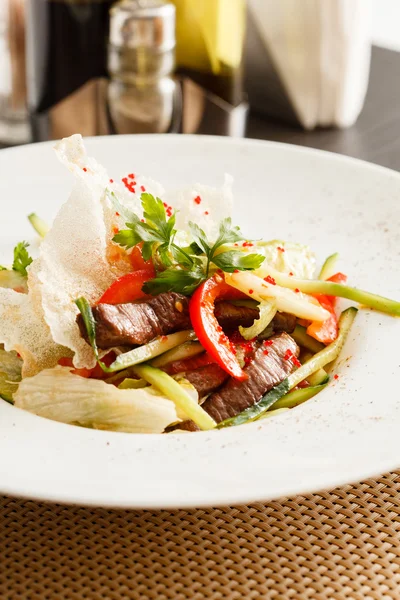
136	324
230	316
264	372
207	379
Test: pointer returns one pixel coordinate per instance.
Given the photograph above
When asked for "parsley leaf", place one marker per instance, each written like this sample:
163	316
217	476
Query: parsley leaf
233	260
227	234
22	260
176	280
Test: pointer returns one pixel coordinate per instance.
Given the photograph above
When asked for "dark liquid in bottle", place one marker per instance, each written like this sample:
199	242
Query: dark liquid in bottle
67	47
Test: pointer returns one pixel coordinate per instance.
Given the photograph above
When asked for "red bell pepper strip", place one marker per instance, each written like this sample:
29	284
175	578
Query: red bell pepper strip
127	288
137	261
207	328
327	331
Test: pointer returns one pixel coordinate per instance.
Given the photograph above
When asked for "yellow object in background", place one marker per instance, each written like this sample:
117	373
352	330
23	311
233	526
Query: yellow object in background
210	34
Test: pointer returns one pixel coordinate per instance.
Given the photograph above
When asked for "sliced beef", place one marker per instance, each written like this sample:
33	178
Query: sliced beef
264	372
230	316
207	379
137	324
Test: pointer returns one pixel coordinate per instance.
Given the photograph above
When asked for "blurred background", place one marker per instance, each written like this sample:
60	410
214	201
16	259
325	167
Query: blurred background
106	67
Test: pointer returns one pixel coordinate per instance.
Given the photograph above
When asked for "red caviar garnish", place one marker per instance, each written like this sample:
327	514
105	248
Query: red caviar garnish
197	200
270	280
296	361
288	354
251	291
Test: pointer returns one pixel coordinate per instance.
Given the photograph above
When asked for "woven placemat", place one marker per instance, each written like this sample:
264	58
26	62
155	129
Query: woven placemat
337	545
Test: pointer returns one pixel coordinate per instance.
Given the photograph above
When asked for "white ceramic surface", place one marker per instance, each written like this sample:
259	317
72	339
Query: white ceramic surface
348	432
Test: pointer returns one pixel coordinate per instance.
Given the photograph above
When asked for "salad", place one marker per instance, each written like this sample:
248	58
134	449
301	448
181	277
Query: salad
147	311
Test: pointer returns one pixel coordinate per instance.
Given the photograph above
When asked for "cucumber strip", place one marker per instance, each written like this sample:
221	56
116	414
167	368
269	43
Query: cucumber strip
172	390
132	384
304	307
296	397
301	336
273	413
186	350
320	377
329	267
267	310
328	288
138	355
328	354
254	412
38	225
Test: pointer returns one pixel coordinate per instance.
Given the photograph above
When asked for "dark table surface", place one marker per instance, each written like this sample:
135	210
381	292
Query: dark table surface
376	135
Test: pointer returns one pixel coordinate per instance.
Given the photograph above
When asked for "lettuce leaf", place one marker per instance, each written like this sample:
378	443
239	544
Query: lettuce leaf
59	395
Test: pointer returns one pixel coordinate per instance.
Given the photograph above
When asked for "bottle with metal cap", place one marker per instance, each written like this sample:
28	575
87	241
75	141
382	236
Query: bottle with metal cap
143	96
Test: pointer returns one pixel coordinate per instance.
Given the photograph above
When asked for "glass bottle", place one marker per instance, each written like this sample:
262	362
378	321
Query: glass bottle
143	96
66	64
210	44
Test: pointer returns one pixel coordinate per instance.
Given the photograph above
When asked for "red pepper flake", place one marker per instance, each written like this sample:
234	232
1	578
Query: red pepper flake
280	249
288	354
142	220
197	200
115	230
270	280
336	376
84	169
297	290
290	274
296	361
206	212
268	342
219	328
251	291
142	188
236	244
131	176
111	180
236	271
247	244
266	352
117	214
164	338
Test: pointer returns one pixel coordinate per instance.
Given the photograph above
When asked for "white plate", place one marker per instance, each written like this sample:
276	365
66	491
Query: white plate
348	432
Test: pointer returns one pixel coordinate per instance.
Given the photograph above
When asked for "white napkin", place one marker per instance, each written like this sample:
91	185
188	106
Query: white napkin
321	51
